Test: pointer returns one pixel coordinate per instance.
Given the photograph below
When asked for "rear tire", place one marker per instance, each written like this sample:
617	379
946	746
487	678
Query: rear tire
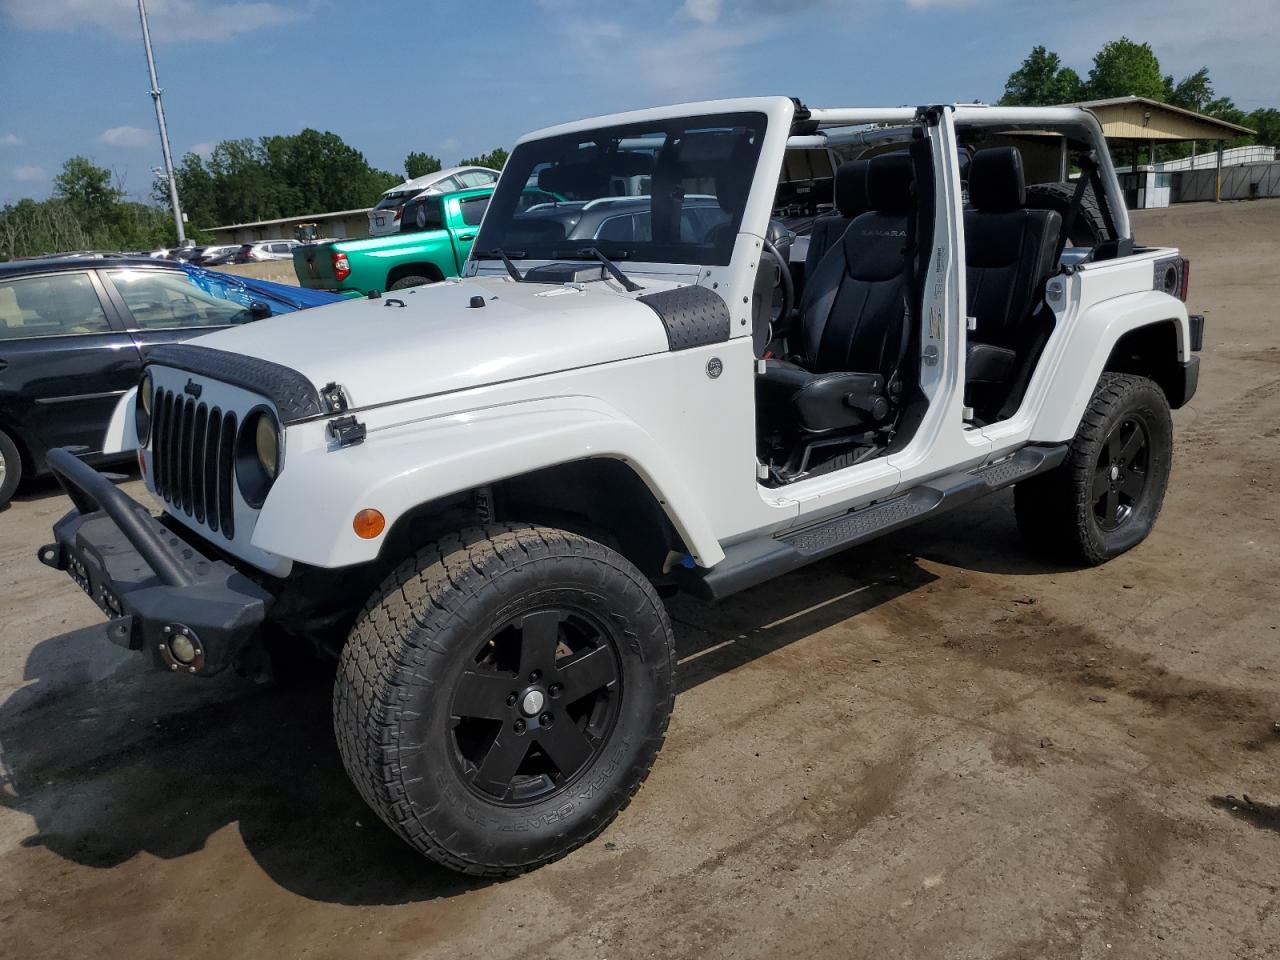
10	469
1089	228
410	281
1105	497
503	695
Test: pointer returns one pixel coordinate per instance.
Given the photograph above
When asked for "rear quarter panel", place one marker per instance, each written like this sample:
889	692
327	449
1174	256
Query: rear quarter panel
1101	303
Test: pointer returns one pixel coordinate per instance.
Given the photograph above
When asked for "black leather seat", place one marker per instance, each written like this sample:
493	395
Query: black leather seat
1009	253
852	318
851	201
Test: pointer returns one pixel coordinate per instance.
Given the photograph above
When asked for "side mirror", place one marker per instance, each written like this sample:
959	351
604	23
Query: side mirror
259	310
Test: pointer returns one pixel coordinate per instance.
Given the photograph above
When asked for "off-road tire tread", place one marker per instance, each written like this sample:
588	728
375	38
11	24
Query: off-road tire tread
1090	226
390	644
1052	510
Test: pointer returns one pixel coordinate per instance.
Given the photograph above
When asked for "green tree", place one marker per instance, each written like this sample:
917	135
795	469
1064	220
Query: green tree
419	165
1123	68
495	159
88	190
1041	80
1192	92
278	176
1266	120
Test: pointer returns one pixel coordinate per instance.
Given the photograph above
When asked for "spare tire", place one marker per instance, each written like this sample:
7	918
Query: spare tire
1090	227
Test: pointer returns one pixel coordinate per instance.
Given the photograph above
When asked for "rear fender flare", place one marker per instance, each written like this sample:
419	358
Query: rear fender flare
1091	338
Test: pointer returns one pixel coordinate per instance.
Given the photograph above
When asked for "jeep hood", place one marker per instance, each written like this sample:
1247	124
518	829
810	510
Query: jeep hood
437	342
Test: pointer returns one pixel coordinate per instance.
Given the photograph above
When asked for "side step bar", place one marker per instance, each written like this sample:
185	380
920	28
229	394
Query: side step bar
752	562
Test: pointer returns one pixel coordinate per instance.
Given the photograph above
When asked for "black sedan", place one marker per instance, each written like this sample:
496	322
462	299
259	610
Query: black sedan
73	333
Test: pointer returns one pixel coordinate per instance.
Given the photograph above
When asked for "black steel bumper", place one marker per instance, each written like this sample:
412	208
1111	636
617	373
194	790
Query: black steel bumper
158	590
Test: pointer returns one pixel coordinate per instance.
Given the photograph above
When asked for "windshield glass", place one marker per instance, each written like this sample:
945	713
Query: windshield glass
668	191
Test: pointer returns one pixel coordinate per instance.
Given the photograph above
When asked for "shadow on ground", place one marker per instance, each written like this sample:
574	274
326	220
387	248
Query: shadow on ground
111	759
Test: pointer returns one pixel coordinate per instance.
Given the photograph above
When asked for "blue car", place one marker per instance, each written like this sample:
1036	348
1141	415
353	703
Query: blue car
73	332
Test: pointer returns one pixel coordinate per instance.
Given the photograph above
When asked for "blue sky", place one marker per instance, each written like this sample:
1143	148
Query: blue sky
458	78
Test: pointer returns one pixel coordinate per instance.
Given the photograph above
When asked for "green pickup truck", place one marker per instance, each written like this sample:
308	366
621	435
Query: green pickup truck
436	233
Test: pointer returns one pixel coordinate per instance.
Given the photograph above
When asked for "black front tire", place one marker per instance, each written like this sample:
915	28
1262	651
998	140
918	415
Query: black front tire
1105	497
459	624
10	469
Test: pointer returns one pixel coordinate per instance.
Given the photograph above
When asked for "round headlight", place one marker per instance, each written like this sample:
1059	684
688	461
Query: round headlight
142	411
267	442
258	455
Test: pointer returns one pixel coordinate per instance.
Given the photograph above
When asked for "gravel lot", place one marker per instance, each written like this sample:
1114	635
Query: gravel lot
933	746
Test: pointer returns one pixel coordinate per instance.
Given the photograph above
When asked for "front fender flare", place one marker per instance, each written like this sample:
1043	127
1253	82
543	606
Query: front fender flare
1091	338
308	514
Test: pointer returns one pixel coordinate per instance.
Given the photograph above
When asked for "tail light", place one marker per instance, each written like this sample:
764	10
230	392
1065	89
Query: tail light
399	213
341	266
1173	276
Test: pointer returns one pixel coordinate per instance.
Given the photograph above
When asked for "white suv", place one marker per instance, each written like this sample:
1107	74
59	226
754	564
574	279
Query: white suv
478	492
385	217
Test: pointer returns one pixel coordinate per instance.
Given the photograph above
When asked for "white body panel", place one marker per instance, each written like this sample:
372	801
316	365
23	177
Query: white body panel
437	343
121	436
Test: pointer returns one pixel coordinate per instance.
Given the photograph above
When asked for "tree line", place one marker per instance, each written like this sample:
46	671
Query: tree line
241	180
1123	68
288	176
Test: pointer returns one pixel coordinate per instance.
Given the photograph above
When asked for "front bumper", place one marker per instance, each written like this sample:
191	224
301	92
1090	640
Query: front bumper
158	590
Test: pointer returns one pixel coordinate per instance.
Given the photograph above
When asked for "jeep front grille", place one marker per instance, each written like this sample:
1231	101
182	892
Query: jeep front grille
193	459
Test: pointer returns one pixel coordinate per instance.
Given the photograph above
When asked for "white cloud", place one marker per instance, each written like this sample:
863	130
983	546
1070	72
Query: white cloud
203	150
10	140
125	137
28	174
703	11
168	19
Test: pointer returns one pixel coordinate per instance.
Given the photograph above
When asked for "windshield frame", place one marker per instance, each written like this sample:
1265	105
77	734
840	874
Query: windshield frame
532	152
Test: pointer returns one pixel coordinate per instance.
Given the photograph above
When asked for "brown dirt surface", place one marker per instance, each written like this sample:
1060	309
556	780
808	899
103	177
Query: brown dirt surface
936	745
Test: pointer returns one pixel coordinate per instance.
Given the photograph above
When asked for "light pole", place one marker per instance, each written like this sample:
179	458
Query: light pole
164	133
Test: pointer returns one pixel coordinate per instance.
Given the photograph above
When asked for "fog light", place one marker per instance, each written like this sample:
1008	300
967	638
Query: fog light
183	650
368	523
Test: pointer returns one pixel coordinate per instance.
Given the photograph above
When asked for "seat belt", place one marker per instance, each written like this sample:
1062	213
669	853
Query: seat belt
1088	171
910	256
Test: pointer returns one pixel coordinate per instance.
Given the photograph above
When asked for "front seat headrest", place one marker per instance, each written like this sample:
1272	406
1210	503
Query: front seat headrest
851	188
889	183
996	180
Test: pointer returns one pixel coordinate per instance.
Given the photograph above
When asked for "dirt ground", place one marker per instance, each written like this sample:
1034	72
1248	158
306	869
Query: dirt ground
932	746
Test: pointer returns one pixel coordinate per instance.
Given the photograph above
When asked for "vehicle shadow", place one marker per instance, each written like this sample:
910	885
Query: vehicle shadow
111	759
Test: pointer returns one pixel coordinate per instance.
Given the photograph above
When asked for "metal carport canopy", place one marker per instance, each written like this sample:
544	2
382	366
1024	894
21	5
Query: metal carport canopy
1138	118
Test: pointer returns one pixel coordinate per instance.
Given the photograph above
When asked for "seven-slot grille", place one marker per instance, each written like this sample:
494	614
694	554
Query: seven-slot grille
193	459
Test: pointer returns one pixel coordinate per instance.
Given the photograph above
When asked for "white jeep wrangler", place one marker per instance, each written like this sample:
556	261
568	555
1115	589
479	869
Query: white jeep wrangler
477	492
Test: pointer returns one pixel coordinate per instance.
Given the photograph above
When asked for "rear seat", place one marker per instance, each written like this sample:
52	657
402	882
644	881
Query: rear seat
1009	253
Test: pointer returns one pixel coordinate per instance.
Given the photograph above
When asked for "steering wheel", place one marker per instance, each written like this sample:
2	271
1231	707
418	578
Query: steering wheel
788	290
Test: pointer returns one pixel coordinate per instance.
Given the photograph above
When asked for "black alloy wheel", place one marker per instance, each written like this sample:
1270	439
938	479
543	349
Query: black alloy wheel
1120	475
536	706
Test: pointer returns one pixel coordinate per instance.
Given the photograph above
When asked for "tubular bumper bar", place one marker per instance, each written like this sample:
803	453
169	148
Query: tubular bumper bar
158	589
